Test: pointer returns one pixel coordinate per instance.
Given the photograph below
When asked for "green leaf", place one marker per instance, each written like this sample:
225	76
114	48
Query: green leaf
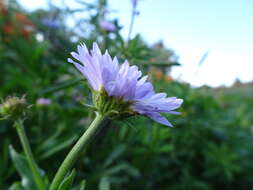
61	86
16	186
23	169
123	167
67	182
104	184
4	158
81	186
55	145
115	154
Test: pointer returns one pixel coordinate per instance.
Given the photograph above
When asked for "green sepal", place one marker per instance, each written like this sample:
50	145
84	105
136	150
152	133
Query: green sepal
88	106
112	107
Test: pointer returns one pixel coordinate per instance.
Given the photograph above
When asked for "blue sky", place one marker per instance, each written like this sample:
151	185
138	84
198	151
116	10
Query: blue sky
224	28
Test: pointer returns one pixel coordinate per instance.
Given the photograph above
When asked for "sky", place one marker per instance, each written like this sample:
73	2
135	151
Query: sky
222	29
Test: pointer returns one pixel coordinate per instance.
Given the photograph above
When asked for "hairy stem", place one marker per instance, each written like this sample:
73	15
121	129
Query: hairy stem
76	150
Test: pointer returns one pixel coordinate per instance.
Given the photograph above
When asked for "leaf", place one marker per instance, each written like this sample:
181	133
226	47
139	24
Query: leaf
165	148
67	182
16	186
4	157
104	184
115	154
55	145
61	86
81	186
23	169
123	167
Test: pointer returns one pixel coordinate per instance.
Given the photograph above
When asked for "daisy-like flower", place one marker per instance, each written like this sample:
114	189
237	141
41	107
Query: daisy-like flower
120	90
107	26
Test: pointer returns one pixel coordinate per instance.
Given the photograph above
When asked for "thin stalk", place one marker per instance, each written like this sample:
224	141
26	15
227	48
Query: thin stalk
131	23
70	159
29	156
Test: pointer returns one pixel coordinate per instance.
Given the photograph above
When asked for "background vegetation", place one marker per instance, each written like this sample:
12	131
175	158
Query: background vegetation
210	146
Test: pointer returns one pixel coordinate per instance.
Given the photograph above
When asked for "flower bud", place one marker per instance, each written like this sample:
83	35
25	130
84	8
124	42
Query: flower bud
13	107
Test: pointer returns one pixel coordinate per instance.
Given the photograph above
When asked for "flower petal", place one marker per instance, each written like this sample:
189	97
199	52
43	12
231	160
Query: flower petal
158	118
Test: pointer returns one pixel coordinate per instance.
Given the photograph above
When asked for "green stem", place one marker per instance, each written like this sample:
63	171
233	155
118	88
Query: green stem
131	23
75	151
29	156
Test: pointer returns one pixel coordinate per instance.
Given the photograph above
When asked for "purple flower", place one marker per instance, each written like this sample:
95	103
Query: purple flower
124	83
108	26
54	24
43	101
134	3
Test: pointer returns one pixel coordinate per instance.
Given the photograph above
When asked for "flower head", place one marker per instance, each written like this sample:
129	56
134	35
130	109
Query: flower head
120	90
134	3
43	101
13	107
54	24
107	26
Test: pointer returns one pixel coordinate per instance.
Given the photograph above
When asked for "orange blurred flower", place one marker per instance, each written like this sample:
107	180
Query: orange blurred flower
3	9
25	33
9	29
158	74
25	26
23	19
168	78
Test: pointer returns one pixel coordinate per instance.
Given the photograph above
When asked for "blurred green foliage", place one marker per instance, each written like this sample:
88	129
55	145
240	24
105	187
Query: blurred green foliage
210	146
